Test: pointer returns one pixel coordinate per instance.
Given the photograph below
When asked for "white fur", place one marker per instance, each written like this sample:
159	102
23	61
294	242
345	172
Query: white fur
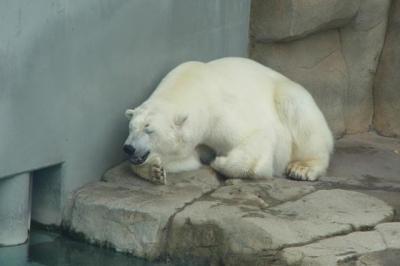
258	122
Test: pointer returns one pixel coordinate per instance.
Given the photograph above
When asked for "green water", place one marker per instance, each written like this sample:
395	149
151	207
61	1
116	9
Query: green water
49	248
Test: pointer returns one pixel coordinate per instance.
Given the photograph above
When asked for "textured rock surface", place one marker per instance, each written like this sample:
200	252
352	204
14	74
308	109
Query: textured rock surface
131	214
386	90
222	229
197	220
276	20
389	257
367	163
339	249
362	42
366	157
336	64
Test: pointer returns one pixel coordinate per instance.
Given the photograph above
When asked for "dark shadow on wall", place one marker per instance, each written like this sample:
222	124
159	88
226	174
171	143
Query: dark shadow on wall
46	195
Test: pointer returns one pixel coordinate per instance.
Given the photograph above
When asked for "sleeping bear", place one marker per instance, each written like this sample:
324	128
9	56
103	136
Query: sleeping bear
256	122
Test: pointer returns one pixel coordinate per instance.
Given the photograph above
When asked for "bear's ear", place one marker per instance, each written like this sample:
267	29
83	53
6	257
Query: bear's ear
130	113
179	120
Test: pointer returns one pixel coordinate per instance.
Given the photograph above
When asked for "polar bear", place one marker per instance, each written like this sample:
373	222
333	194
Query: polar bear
258	122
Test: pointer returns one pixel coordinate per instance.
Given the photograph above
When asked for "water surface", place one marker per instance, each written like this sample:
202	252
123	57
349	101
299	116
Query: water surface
54	249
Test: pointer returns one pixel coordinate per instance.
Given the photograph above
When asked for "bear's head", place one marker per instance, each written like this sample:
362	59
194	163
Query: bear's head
154	132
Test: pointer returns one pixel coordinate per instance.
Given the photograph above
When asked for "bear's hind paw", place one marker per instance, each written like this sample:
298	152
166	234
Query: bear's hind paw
301	171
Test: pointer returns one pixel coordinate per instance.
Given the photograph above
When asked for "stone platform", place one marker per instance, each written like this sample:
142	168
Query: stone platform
349	217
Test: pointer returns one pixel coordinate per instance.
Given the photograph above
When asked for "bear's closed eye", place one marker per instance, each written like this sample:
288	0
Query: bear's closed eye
148	130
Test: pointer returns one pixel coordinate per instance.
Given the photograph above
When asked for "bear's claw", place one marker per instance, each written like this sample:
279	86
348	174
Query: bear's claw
158	174
300	171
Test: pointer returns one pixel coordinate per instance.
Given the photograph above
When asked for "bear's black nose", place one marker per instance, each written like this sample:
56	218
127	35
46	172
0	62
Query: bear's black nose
129	149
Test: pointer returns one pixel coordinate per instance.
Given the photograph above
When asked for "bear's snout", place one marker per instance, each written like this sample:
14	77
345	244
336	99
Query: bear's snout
134	156
129	149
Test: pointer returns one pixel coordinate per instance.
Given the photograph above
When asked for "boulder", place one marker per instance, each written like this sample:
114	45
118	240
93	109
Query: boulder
131	214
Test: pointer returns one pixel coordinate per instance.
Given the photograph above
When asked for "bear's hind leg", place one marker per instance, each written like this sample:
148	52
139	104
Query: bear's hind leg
244	162
312	140
234	167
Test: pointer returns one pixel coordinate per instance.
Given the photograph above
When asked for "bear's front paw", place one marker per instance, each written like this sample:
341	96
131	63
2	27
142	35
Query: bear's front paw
158	174
301	171
219	163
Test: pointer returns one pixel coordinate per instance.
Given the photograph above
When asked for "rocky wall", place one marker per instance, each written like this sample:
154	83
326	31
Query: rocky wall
331	47
387	80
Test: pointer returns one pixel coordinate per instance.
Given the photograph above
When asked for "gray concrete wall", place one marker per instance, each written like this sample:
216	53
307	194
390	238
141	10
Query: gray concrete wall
14	209
69	69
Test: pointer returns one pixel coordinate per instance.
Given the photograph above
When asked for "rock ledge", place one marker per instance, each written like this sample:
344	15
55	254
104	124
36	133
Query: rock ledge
237	222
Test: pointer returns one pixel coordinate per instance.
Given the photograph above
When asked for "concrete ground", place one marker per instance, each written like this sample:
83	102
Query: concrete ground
349	217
